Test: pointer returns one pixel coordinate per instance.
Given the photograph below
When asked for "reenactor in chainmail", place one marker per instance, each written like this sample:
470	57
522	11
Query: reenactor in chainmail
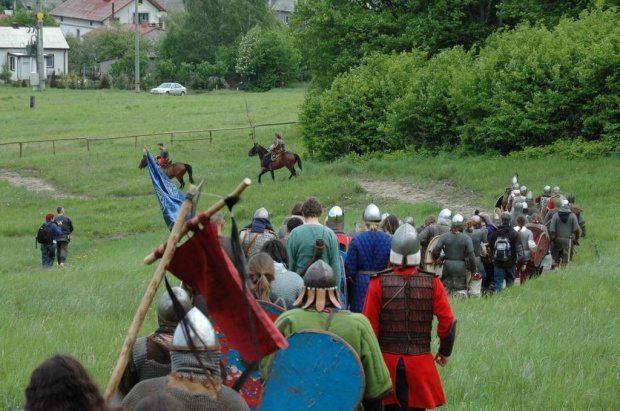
578	211
555	201
401	304
433	230
563	229
458	257
478	237
196	378
256	234
543	199
150	357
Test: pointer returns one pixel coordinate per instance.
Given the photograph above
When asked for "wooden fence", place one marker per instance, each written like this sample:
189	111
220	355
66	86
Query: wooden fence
172	134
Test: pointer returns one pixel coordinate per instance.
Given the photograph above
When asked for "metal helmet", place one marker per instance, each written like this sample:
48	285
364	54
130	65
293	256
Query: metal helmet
515	179
409	220
565	208
335	215
405	246
372	214
458	221
523	190
571	198
515	186
320	283
547	191
477	220
506	217
262	213
444	217
166	314
384	216
556	190
201	333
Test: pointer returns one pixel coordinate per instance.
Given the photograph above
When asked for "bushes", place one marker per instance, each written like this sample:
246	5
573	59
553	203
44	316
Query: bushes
527	87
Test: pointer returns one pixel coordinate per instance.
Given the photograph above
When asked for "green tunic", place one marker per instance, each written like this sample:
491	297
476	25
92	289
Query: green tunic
353	328
300	246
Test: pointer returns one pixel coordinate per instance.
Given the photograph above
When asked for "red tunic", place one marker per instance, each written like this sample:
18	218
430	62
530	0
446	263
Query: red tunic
424	385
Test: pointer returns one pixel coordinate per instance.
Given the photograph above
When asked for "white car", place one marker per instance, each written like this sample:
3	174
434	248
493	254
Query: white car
169	88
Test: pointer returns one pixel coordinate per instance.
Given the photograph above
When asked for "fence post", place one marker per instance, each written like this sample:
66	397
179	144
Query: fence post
171	139
20	149
54	146
88	145
253	133
210	136
136	142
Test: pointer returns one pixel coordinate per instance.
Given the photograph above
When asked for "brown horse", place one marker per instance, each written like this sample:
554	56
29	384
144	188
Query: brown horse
173	170
286	159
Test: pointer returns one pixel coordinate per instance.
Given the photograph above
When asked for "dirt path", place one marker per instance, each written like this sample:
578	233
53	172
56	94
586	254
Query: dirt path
458	199
34	184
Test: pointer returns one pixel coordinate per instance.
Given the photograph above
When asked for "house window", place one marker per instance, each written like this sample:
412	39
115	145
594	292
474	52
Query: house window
285	18
77	32
49	60
91	23
12	63
61	19
141	17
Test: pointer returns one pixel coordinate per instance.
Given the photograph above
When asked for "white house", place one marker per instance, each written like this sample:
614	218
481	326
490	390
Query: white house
283	9
22	60
78	17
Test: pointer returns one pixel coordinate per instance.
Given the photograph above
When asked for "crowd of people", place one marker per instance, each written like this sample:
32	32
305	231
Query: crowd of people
54	236
378	286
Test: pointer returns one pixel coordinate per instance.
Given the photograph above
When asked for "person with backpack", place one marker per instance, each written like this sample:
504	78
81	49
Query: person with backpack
48	233
62	244
506	250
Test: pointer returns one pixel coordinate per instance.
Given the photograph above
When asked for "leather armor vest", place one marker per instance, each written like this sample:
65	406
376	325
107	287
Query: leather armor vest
406	318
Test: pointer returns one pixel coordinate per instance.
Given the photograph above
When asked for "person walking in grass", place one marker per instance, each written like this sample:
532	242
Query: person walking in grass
62	243
506	250
48	234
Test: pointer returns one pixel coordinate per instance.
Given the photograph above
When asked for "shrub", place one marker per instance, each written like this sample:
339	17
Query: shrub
105	82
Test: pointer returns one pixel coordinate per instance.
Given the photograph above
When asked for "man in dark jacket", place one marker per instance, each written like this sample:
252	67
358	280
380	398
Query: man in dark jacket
48	250
506	250
62	243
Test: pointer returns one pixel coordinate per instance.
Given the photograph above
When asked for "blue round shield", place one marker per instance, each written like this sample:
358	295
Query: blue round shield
317	371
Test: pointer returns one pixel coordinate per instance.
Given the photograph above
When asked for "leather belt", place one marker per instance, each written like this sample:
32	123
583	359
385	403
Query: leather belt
367	272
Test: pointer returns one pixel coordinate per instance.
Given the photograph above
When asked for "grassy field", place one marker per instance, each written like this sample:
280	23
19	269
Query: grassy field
551	344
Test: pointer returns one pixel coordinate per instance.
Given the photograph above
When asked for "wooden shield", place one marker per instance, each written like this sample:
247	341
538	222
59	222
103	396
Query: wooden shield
542	248
429	264
253	387
317	371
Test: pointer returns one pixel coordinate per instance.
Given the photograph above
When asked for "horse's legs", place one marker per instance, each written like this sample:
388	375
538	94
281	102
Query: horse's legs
291	168
272	176
261	174
180	178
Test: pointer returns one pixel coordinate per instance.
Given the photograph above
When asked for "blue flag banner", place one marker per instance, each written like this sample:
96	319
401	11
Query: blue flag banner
168	194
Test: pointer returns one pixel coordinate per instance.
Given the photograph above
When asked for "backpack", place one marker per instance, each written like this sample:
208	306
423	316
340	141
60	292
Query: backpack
44	236
502	250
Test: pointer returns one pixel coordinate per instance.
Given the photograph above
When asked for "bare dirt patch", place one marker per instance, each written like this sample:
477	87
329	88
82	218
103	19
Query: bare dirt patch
35	184
459	200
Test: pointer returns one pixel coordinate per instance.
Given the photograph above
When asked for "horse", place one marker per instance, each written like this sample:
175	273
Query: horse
286	159
173	170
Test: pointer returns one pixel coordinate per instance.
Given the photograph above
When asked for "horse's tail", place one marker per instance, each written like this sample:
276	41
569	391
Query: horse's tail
298	161
189	172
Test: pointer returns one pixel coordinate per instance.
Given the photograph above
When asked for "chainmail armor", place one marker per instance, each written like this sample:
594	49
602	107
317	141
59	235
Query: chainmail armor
257	245
227	399
406	318
146	367
185	363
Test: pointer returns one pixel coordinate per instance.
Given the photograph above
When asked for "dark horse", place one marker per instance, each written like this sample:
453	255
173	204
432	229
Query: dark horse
173	170
286	159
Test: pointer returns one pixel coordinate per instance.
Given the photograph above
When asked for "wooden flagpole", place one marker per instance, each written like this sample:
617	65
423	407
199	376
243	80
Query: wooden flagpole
138	318
160	251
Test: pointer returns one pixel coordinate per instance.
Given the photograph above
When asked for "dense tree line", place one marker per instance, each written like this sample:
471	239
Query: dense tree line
526	87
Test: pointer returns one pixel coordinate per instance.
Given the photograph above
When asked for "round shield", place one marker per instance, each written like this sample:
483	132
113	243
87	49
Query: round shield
235	365
542	247
317	371
429	260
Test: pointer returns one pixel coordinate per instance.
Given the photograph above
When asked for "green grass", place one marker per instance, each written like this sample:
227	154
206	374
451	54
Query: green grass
552	344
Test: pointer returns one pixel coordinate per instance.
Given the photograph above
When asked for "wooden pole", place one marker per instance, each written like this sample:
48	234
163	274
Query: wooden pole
20	149
138	319
53	146
151	258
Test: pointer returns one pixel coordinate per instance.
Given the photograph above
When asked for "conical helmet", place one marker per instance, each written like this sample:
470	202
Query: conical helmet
571	198
557	190
405	246
547	190
335	219
166	314
523	190
409	220
262	213
372	214
458	221
515	179
444	217
320	283
477	220
201	333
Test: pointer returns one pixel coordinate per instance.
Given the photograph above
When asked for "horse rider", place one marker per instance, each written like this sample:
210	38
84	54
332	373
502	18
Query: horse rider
278	144
164	156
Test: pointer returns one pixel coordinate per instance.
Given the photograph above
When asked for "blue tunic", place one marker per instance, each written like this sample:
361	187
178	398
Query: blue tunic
368	253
